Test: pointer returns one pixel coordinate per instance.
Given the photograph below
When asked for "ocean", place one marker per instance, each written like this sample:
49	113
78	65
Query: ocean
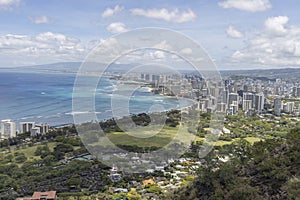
47	97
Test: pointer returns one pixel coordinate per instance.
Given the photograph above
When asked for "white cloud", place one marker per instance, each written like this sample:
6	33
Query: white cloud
40	19
164	14
186	51
159	55
8	4
108	12
247	5
276	25
163	45
116	27
233	32
46	46
279	46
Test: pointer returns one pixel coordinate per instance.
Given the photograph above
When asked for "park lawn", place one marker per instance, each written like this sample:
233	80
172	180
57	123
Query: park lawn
144	137
251	140
149	138
29	151
156	137
221	143
152	136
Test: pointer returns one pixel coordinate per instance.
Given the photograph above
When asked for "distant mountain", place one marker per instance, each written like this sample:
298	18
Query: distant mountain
73	67
286	73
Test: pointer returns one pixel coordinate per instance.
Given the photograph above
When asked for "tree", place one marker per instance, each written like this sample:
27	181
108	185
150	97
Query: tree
292	187
42	151
267	170
20	158
133	195
61	149
48	160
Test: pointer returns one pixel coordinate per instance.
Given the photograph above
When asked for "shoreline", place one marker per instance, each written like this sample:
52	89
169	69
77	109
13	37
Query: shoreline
60	118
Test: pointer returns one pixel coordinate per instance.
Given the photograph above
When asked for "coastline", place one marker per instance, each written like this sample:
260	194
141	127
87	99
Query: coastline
51	104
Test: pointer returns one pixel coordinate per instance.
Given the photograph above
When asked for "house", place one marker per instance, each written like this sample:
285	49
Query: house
149	181
49	195
124	190
115	177
226	130
159	168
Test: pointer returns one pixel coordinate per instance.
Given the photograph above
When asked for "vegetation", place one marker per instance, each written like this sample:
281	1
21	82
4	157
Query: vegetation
263	159
267	170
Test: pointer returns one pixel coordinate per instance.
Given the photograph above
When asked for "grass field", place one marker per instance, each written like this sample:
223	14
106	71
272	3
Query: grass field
149	136
146	137
152	137
249	139
29	151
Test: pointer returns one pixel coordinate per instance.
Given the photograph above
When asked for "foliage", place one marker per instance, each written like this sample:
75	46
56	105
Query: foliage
267	170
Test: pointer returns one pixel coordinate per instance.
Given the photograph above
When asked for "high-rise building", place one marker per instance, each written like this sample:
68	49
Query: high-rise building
294	91
245	88
288	107
277	106
221	107
39	129
298	92
44	128
8	129
233	108
247	105
35	131
259	101
225	96
26	126
249	96
232	97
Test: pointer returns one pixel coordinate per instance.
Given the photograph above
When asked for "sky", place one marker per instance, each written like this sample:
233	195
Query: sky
236	34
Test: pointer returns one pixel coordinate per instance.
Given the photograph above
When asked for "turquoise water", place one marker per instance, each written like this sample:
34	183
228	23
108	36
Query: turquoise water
45	97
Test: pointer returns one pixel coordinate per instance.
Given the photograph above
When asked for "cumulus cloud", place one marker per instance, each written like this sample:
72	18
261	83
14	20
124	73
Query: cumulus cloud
159	55
163	45
164	14
45	46
277	45
247	5
8	4
108	12
40	20
186	51
116	27
233	32
276	25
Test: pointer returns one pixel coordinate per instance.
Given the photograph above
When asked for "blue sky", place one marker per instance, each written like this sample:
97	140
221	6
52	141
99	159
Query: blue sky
237	34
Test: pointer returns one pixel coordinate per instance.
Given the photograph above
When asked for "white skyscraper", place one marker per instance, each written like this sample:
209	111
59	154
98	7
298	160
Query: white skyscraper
247	105
44	128
8	129
288	107
26	126
232	97
249	96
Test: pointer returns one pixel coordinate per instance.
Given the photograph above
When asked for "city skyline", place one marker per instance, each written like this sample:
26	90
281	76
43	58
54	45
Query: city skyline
236	34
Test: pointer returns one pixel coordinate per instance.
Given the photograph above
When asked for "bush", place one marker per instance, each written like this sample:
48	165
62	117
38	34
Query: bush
20	158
